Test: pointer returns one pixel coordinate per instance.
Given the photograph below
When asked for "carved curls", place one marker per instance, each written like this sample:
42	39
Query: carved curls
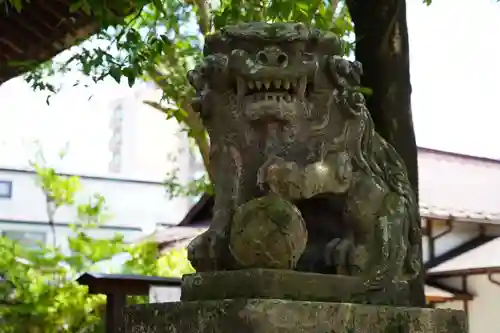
344	72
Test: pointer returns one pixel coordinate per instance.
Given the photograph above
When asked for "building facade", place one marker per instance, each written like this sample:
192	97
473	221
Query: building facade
143	150
144	143
134	207
460	205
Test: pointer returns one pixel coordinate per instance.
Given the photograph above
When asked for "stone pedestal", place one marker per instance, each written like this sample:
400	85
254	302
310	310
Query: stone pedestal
282	316
273	301
288	285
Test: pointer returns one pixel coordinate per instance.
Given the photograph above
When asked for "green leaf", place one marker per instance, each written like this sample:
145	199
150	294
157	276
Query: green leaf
18	5
364	90
75	6
115	73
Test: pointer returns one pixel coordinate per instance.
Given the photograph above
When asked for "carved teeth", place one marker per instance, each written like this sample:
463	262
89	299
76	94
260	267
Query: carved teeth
298	86
301	87
241	87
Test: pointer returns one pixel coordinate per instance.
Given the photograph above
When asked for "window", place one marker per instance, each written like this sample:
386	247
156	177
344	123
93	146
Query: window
5	189
30	239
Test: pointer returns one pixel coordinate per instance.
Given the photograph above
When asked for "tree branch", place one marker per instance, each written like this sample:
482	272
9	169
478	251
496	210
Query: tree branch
51	210
203	16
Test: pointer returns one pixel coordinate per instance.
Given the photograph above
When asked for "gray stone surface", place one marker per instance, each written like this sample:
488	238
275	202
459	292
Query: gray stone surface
279	316
285	118
290	285
302	181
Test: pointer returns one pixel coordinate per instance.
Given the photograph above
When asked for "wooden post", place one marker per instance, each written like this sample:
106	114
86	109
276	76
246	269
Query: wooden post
114	307
117	287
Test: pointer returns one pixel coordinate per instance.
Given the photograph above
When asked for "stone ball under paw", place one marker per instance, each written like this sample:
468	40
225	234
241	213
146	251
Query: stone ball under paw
268	232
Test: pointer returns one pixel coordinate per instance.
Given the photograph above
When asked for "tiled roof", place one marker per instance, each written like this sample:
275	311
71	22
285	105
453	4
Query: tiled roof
463	187
173	237
482	258
42	29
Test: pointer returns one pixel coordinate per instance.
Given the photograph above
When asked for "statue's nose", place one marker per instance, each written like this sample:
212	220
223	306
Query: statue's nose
272	58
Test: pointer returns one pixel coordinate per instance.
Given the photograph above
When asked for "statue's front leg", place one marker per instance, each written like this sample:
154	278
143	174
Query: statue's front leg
209	251
390	244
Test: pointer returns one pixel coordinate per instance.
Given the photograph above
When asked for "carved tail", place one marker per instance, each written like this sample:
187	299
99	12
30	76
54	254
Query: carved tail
397	179
390	166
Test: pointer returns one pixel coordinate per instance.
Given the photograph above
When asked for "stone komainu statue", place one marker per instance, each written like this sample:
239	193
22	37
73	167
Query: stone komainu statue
284	117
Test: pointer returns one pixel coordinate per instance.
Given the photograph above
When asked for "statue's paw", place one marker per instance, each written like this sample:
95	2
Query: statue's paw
206	251
266	171
337	254
197	253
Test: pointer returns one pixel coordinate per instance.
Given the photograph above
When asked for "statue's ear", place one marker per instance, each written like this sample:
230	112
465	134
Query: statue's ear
325	42
356	72
195	79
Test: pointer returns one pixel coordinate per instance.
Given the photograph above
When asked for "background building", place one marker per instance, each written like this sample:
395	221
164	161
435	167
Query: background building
134	206
135	147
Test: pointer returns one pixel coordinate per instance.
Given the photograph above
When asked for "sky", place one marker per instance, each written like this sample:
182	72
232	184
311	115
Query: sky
454	73
71	122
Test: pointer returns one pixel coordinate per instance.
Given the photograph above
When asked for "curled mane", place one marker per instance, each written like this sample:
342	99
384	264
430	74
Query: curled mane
375	156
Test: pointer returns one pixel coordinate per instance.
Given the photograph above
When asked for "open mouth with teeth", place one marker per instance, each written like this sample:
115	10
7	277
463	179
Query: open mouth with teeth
276	89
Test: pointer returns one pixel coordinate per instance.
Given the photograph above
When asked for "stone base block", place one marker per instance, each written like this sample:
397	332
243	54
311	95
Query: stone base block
289	285
283	316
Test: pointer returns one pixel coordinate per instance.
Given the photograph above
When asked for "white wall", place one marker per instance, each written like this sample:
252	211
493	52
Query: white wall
133	204
164	294
484	308
144	143
461	233
62	232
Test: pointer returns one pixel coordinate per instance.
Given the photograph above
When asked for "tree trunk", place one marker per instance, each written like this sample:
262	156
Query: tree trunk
382	47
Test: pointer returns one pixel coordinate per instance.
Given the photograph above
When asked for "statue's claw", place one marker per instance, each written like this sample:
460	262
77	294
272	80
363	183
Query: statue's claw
337	254
261	176
266	170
